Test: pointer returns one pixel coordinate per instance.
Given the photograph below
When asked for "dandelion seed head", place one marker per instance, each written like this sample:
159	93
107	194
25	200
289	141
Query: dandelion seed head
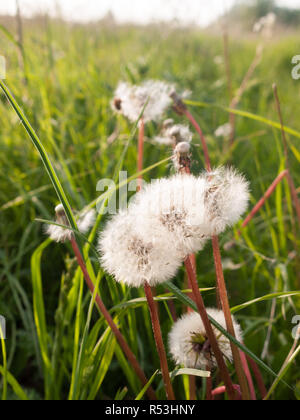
226	199
60	234
131	99
172	135
265	25
188	343
134	252
223	130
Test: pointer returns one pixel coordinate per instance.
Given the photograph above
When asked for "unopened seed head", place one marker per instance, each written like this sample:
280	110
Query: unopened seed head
183	148
189	345
60	234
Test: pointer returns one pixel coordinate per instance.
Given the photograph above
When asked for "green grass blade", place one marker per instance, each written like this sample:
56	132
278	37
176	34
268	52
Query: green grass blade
43	154
147	386
14	384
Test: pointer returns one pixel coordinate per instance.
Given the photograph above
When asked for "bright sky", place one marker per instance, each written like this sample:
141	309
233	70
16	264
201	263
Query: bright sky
142	11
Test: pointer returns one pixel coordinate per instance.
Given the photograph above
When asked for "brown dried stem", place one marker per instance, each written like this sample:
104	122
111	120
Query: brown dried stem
159	342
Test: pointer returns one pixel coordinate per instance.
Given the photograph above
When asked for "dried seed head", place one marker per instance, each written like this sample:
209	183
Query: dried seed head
60	234
188	343
134	252
174	134
130	100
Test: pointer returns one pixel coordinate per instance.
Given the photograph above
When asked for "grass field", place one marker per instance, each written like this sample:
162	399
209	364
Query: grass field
58	346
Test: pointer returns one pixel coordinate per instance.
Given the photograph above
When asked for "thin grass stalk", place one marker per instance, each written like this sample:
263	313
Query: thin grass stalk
131	357
209	331
21	41
159	342
235	101
295	198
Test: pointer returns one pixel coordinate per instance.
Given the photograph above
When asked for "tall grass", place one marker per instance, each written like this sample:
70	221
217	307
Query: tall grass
58	345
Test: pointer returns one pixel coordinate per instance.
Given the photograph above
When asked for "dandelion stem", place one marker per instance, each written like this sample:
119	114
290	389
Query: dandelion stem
222	389
209	331
227	314
181	108
159	342
202	137
131	357
248	375
262	201
258	377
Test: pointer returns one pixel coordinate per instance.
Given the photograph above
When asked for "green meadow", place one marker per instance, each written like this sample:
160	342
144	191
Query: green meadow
63	77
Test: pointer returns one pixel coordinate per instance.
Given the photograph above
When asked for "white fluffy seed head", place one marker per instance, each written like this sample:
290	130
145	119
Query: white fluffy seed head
188	342
134	252
59	234
131	99
226	199
171	135
223	130
265	25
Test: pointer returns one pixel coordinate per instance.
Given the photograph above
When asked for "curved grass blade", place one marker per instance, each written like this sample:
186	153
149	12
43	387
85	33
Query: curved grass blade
282	374
39	313
245	114
43	154
4	357
14	384
271	296
146	387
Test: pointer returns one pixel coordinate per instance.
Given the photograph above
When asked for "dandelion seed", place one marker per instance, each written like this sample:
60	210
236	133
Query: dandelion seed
188	343
265	25
223	130
60	234
130	100
171	134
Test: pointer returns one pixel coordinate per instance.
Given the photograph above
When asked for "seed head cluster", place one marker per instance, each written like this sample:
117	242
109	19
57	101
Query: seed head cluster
168	220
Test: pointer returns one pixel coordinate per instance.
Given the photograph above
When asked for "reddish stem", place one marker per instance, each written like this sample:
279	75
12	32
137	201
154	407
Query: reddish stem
222	390
262	201
227	314
202	137
258	376
159	342
131	357
248	375
209	331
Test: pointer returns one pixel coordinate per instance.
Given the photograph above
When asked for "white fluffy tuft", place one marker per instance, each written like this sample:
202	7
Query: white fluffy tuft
183	345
